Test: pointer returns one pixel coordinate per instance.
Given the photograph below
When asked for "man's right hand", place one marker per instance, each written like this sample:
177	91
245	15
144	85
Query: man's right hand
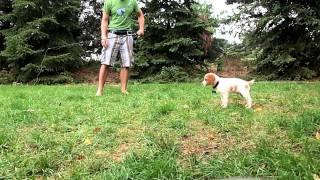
105	43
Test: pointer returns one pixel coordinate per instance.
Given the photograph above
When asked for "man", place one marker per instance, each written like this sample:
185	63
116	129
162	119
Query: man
116	38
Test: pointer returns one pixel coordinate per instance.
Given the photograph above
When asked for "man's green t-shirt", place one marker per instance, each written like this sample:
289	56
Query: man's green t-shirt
120	13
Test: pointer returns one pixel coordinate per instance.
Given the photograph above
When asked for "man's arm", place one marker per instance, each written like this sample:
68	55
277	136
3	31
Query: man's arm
141	23
104	29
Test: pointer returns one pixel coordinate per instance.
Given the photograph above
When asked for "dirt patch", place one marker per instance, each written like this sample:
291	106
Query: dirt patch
234	67
118	154
198	145
130	132
129	141
91	75
97	130
121	152
202	140
80	157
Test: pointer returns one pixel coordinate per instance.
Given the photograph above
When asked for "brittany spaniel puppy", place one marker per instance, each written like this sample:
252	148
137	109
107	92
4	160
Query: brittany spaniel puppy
228	85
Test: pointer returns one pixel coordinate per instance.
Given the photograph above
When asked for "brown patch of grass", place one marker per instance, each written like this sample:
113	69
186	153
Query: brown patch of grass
97	130
31	147
130	133
39	178
234	67
91	75
80	157
128	136
203	140
118	154
26	130
198	145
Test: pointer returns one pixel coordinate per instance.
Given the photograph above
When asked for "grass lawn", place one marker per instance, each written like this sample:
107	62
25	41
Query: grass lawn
159	131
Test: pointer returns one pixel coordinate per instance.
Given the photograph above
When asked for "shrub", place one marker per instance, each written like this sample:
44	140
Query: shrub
5	77
169	74
58	79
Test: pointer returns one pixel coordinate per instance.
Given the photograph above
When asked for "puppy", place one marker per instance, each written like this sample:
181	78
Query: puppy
228	85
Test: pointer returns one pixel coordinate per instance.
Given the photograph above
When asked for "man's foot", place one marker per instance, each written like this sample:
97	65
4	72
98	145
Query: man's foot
99	93
124	92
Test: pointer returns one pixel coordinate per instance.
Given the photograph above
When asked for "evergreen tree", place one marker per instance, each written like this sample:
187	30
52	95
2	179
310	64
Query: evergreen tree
36	25
175	35
287	35
90	19
5	23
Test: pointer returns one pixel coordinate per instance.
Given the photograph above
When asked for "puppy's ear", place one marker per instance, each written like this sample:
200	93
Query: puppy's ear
210	79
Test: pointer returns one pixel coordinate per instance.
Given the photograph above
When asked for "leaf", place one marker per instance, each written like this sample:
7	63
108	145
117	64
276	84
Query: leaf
101	153
258	109
80	157
39	178
88	141
318	135
185	106
97	130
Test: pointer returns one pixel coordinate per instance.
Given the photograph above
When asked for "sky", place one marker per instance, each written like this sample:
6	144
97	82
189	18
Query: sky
221	10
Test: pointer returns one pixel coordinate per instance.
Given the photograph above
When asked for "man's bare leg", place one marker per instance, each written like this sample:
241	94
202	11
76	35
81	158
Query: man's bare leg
102	79
124	75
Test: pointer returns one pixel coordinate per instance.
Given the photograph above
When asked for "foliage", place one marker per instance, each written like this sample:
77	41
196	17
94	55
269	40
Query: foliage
288	35
169	74
158	131
5	77
90	19
29	28
178	33
56	79
218	48
5	7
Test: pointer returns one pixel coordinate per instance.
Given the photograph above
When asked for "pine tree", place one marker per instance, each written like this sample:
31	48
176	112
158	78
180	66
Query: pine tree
287	35
5	7
90	20
35	26
5	23
174	35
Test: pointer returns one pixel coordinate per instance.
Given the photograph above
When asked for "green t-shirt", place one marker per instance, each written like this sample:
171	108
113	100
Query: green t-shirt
120	13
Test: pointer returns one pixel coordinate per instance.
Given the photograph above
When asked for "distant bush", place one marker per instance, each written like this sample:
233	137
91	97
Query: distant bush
5	77
304	74
58	79
169	74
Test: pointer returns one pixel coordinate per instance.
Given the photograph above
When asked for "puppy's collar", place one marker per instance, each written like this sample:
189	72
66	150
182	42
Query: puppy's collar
216	85
214	88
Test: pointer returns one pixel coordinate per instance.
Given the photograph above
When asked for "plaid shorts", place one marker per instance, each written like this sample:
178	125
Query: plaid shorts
118	44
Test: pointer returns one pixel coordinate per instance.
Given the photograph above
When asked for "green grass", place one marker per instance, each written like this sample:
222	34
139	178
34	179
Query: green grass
159	131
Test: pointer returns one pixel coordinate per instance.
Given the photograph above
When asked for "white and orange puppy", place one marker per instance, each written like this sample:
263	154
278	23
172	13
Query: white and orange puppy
224	86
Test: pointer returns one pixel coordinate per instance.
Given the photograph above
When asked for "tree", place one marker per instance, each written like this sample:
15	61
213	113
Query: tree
288	35
35	26
177	34
90	19
5	23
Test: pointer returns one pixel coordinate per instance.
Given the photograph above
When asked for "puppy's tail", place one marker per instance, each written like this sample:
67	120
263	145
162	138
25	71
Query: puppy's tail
251	82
